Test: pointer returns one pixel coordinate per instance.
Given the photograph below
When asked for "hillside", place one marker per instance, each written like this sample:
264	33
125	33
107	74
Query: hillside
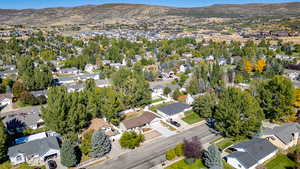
98	13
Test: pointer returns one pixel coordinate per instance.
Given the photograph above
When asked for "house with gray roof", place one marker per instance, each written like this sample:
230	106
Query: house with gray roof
174	110
34	152
18	120
250	154
284	136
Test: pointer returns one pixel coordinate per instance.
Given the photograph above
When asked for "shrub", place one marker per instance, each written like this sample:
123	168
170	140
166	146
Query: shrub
179	150
86	144
296	156
170	154
131	139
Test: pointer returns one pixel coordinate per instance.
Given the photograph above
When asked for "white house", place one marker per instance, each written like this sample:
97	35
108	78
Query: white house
250	154
5	99
34	152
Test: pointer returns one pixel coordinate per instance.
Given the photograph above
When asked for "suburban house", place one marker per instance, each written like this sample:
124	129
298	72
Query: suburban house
34	152
158	90
5	99
17	121
284	136
102	83
90	68
71	70
173	110
250	154
142	120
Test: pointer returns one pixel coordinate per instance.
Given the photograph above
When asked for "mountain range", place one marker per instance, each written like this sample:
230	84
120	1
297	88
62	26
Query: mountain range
99	13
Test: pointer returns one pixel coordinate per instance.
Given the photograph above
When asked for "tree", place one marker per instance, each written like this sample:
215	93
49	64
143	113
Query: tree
167	91
179	149
131	139
193	148
28	98
176	94
101	144
86	144
170	154
18	88
3	143
237	113
260	65
276	97
212	158
296	102
68	154
205	105
248	66
65	112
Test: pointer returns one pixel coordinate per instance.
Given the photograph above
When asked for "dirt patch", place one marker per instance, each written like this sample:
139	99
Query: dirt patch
151	135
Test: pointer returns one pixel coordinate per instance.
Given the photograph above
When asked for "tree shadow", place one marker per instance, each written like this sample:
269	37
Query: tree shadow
15	126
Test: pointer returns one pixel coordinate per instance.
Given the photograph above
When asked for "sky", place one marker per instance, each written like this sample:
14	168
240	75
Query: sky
36	4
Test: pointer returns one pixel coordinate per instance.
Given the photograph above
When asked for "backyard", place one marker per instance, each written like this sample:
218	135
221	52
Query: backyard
281	161
191	117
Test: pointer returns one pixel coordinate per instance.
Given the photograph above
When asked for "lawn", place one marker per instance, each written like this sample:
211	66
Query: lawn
281	161
182	165
191	117
157	100
226	142
197	165
7	165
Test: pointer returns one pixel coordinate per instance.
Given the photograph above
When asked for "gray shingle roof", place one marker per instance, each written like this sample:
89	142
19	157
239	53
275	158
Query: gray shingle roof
255	150
40	147
284	132
172	109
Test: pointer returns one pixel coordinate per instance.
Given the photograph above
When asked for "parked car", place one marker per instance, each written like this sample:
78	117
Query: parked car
52	164
175	123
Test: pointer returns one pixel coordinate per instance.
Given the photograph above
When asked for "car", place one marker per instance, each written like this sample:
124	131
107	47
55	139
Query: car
175	123
52	164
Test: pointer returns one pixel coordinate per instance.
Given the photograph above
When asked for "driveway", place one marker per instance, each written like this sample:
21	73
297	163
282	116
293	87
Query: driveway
164	131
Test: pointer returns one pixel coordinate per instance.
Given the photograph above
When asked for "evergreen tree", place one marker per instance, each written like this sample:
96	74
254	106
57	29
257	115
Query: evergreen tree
212	157
68	154
3	143
101	144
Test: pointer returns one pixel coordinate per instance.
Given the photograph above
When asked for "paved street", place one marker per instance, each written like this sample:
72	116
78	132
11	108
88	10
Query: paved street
152	153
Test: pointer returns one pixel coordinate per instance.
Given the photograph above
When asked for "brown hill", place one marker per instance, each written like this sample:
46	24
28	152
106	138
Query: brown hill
98	13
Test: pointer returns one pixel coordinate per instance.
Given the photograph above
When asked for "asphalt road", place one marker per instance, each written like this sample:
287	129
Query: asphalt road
153	153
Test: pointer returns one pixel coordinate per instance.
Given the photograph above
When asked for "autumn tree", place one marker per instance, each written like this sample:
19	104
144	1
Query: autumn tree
248	67
260	65
296	102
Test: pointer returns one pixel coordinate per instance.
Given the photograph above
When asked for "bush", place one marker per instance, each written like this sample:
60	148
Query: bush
170	154
28	98
296	156
179	150
189	161
131	139
86	144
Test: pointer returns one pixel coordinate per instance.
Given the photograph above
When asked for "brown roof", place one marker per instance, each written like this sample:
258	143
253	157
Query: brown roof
139	121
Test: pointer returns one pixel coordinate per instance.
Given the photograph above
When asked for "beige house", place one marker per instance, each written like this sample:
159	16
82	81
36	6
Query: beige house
284	136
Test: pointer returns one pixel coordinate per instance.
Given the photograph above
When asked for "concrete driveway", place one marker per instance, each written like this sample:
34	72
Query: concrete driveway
164	131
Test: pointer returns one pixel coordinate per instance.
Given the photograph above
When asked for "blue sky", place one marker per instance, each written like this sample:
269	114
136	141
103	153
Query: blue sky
23	4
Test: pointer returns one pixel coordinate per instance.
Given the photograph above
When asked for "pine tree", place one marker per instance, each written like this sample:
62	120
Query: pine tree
3	142
68	154
212	157
101	144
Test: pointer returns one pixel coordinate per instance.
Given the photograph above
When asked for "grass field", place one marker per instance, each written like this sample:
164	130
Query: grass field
7	165
281	161
199	164
226	142
191	117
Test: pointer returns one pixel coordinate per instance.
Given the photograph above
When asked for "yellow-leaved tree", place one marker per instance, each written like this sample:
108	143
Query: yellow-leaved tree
297	98
248	66
260	65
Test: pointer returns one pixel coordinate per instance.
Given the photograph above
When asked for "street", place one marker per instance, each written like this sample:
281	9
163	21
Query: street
153	153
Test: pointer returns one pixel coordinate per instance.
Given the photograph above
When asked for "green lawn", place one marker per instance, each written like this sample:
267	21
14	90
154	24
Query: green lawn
191	117
281	161
226	142
197	165
157	100
7	165
182	165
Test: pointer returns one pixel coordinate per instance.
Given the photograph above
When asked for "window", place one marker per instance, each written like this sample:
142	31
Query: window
19	158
